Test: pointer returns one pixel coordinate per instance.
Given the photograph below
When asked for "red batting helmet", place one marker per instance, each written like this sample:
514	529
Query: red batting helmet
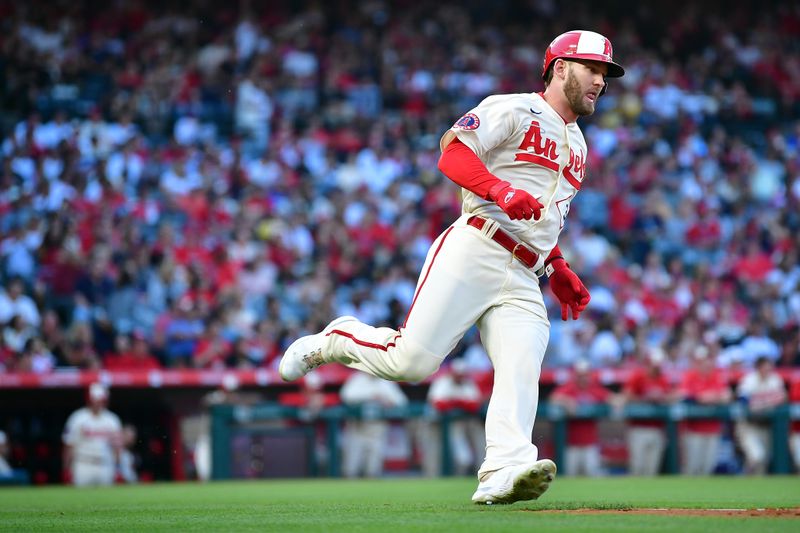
582	44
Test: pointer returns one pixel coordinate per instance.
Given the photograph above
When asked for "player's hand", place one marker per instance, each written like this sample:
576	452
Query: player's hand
516	203
569	289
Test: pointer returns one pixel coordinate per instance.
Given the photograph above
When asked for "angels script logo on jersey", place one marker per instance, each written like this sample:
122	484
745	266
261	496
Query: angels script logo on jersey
538	149
576	169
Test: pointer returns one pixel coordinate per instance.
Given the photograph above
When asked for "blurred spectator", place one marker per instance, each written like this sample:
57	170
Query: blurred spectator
761	390
252	114
131	353
365	436
456	390
211	350
583	440
8	474
703	384
92	441
14	302
126	465
5	469
646	439
36	357
182	333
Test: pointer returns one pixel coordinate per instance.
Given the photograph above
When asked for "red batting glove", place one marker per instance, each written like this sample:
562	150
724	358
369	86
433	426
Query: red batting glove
517	203
568	288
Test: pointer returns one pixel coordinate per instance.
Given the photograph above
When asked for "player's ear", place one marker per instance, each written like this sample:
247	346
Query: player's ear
560	68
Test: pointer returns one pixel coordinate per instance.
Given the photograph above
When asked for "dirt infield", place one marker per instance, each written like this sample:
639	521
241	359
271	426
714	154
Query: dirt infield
739	513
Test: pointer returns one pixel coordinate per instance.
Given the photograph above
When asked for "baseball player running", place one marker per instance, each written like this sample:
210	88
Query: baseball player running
521	159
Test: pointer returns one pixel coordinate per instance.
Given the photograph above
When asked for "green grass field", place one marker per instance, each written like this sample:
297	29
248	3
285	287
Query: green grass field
407	505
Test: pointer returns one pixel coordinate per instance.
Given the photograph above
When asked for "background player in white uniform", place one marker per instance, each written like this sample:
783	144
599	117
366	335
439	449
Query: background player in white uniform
520	159
92	440
763	390
365	438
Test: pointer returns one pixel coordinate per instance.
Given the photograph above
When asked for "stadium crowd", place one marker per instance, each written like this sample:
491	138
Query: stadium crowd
196	186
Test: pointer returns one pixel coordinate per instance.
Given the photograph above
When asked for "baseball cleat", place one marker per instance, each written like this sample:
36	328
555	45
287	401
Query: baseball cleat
516	483
307	353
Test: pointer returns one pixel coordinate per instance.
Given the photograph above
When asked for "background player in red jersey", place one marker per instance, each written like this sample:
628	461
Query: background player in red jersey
646	438
703	384
583	442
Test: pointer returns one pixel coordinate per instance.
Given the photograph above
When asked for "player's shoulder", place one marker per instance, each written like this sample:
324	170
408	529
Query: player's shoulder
111	415
511	100
78	414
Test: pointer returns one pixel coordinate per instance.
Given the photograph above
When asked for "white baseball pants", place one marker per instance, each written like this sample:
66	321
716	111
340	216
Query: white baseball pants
794	447
646	447
467	279
87	474
700	453
756	443
583	461
365	442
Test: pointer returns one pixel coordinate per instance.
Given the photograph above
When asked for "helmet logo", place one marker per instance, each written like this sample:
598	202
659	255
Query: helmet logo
593	43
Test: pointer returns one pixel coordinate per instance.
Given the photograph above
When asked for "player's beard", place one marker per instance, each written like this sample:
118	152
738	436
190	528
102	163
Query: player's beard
575	96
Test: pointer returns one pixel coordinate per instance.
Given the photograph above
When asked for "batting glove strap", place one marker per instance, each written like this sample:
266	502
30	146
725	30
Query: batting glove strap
551	263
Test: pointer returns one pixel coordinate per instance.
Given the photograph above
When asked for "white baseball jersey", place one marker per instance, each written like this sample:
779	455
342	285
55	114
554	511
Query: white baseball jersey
92	436
522	140
761	393
446	388
469	279
363	388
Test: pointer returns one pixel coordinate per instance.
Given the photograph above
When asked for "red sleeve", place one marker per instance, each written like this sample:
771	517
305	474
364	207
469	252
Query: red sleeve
564	391
794	395
633	385
459	163
555	254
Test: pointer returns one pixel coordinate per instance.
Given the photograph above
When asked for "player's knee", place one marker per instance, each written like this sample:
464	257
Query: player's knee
418	367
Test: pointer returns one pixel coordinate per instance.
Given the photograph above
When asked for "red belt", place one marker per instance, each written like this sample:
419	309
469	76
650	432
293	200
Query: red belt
525	255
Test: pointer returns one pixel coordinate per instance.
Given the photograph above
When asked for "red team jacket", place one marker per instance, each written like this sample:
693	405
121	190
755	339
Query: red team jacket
644	387
582	432
693	387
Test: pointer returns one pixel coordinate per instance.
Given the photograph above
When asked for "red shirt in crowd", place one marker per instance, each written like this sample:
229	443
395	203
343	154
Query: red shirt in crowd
582	431
131	361
703	388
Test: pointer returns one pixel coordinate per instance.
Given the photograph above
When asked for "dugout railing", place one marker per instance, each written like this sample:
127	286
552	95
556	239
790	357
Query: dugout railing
228	420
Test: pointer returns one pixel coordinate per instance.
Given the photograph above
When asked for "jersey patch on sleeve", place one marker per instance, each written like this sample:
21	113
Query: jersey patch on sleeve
470	121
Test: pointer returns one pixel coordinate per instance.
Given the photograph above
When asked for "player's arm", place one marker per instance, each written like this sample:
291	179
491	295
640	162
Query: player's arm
561	398
68	450
459	163
566	285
